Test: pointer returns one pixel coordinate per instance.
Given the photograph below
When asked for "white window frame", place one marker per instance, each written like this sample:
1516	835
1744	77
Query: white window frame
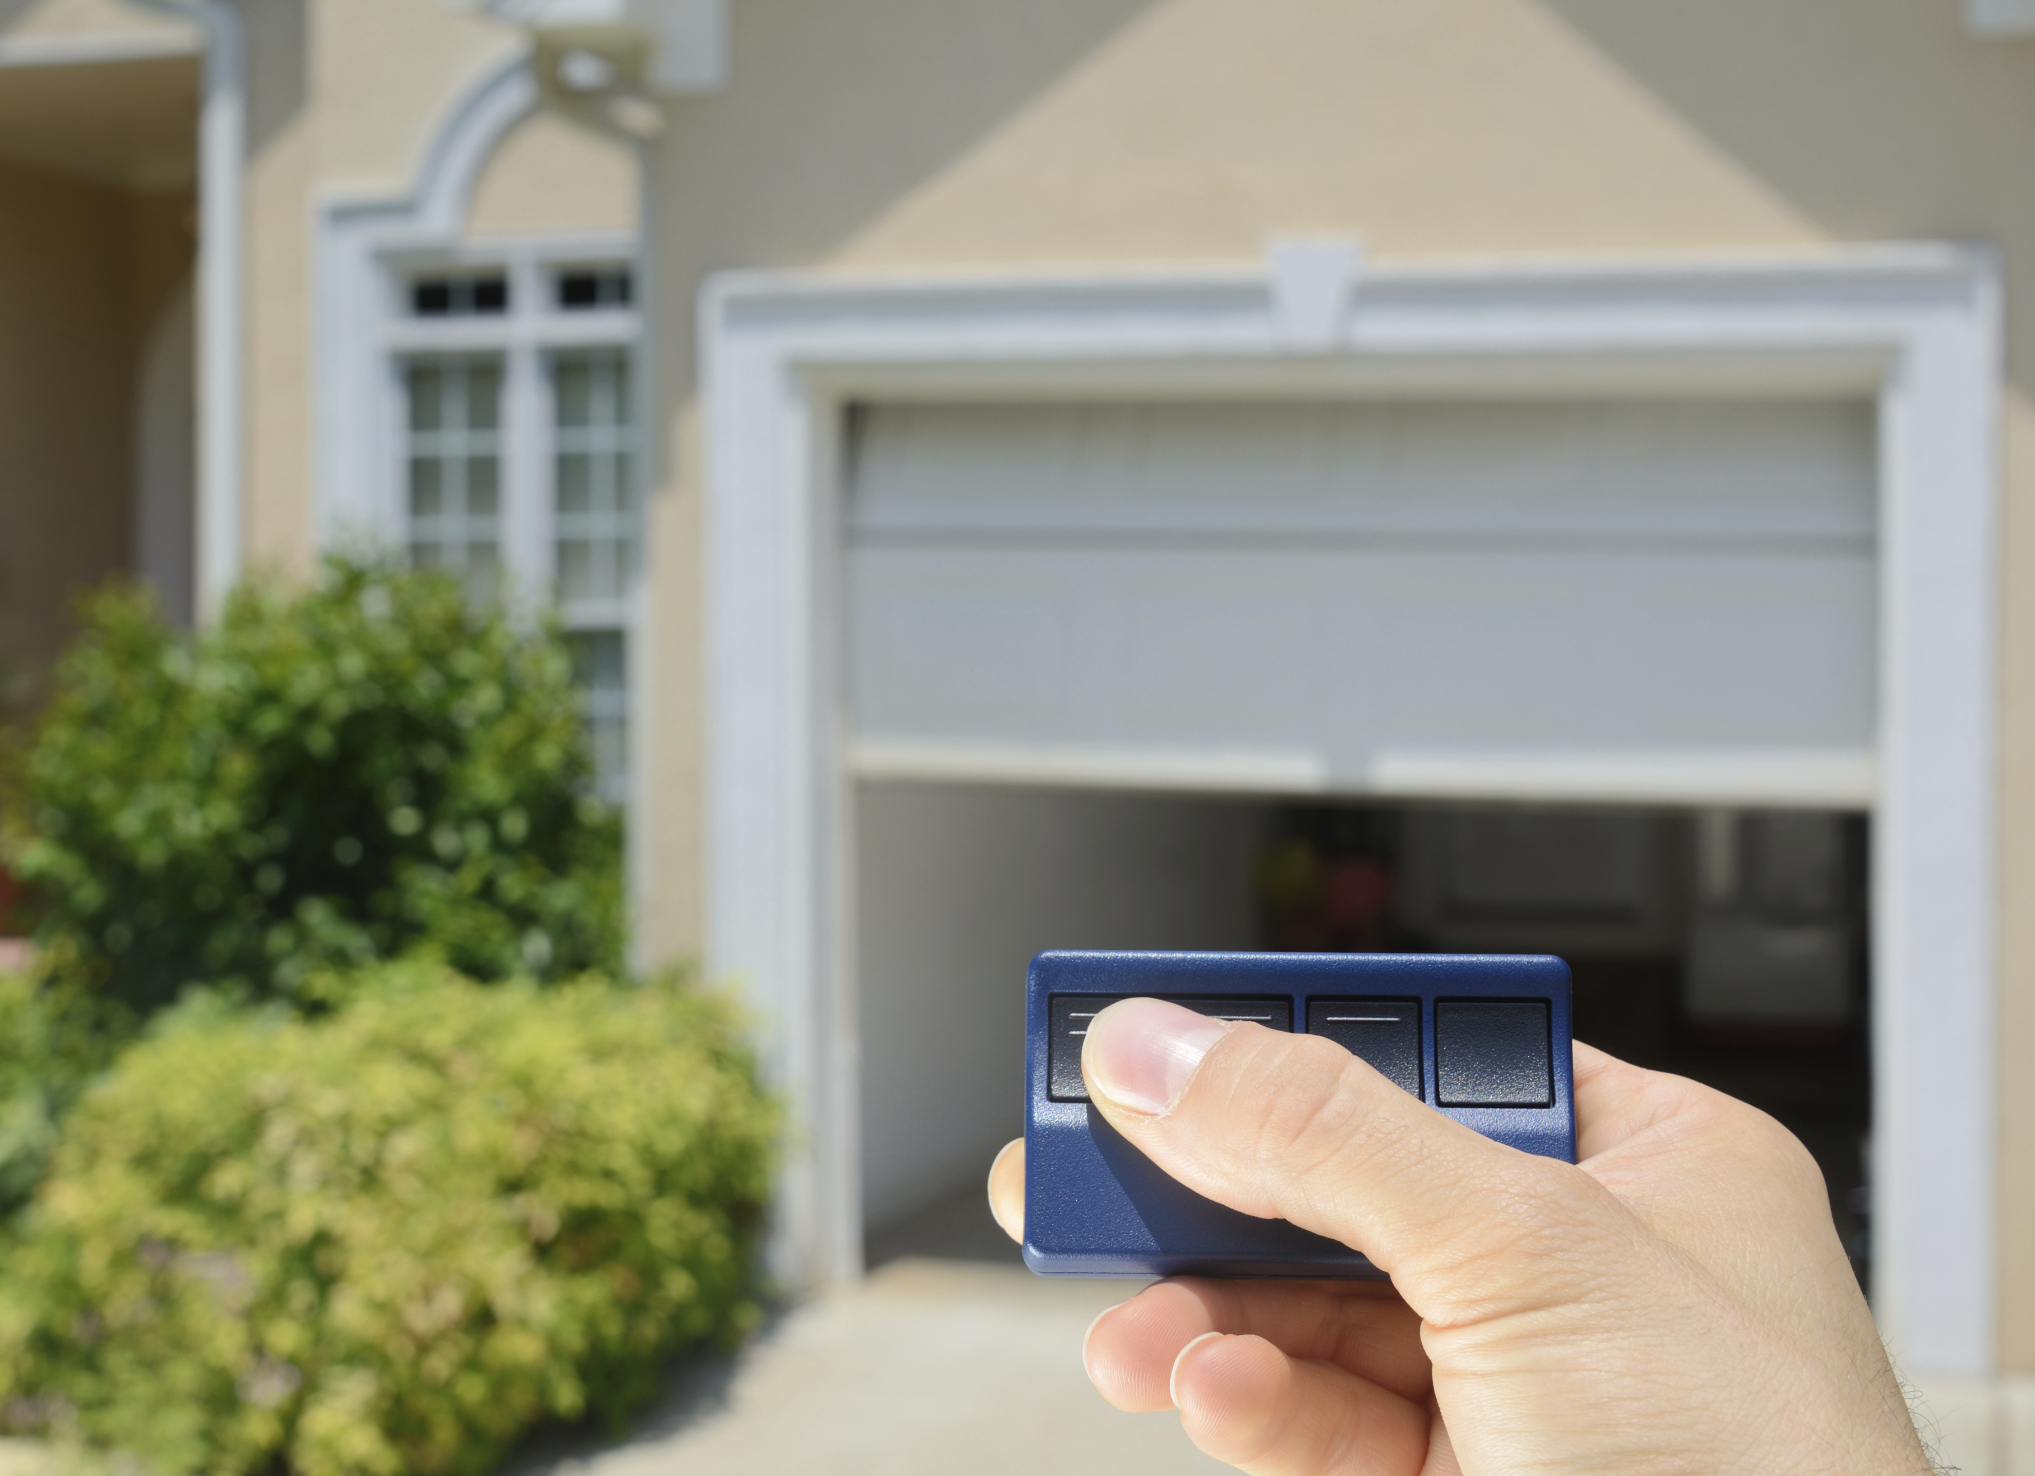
1914	327
527	337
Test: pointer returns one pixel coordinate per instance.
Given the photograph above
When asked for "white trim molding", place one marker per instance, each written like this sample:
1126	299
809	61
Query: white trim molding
1834	779
222	326
1837	780
99	48
1914	325
1079	766
2000	18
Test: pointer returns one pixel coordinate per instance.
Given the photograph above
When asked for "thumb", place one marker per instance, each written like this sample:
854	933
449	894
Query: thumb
1294	1127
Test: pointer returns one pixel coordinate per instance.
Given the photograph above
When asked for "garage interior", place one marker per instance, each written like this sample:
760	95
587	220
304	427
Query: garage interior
1726	946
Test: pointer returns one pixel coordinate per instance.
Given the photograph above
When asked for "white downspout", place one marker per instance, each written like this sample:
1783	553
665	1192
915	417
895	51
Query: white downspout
222	153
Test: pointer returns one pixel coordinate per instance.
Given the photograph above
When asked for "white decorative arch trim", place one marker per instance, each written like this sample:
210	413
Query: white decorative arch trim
354	236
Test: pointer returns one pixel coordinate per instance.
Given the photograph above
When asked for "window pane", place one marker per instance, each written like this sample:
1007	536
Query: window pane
592	468
597	660
581	291
575	569
458	297
574	391
483	570
482	480
575	476
610	740
483	397
600	666
427	389
607	574
427	498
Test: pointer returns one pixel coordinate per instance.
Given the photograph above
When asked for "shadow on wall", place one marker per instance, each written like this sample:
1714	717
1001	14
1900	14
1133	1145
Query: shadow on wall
1878	119
851	149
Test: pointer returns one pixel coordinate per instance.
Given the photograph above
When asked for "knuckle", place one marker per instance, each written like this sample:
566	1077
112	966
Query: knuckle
1766	1146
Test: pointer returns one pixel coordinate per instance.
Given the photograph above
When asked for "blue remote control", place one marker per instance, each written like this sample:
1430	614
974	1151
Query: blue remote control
1481	1038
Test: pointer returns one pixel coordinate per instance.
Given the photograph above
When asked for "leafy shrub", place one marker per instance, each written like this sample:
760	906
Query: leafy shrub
389	1238
330	777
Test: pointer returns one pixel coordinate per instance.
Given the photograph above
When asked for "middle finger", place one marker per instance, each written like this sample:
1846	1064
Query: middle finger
1361	1327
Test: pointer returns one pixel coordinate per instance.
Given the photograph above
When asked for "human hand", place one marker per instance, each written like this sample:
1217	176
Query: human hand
1677	1302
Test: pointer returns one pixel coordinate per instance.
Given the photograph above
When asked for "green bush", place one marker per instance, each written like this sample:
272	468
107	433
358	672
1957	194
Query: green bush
330	777
389	1238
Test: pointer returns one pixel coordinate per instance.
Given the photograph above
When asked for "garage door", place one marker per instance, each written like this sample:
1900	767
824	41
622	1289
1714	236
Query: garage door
1631	599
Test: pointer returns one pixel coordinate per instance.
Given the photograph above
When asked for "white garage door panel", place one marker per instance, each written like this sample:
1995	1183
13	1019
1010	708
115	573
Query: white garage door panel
1780	469
1351	652
1095	613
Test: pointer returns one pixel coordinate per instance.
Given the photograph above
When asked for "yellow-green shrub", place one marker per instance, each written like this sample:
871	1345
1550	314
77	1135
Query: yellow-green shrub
388	1239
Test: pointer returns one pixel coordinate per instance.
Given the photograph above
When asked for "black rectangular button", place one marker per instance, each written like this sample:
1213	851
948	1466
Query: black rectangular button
1383	1032
1072	1012
1492	1053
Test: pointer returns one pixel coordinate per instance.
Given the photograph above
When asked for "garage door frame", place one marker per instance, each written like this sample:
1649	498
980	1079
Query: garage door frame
1915	326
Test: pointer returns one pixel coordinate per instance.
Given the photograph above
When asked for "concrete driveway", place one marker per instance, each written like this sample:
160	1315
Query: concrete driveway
933	1365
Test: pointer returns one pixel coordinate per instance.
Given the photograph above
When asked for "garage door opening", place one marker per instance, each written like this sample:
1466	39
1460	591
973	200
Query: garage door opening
1726	946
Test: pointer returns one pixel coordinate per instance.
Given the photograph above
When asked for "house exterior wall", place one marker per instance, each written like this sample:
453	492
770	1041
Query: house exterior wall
900	135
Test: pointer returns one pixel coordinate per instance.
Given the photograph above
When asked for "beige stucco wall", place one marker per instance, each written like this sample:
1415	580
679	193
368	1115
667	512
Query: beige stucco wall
383	74
551	176
896	133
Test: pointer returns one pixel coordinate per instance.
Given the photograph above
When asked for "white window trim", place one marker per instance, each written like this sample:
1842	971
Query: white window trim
1917	326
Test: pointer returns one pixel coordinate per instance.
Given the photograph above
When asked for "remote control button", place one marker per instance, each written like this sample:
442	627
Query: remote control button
1383	1032
1492	1053
1070	1014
